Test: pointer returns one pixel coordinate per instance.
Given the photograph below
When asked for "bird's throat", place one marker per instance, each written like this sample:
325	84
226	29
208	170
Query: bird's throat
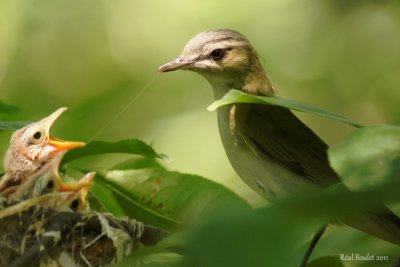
253	81
257	83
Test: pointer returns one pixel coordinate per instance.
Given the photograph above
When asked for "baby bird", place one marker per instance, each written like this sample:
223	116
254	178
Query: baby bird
66	196
74	199
31	148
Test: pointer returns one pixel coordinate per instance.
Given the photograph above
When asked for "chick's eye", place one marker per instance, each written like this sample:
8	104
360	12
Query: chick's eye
50	184
37	135
74	205
217	54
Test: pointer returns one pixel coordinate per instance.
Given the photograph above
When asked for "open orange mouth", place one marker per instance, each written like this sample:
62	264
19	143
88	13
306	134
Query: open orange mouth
61	145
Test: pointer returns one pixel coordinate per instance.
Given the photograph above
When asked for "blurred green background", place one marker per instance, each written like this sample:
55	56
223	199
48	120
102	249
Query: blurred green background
95	56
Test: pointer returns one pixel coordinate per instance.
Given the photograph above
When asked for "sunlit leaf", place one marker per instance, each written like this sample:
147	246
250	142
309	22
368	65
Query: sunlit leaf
236	96
369	157
130	146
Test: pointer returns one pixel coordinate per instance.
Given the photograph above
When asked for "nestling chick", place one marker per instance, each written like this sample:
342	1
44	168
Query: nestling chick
62	196
31	148
74	199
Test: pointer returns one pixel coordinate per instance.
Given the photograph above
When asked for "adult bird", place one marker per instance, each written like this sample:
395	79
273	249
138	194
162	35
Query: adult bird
268	146
31	150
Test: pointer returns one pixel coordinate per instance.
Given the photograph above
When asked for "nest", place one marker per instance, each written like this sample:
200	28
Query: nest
32	234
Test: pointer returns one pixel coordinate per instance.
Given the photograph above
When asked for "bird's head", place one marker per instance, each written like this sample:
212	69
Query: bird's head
32	146
226	59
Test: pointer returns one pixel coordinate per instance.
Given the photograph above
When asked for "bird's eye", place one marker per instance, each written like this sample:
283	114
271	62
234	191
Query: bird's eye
217	54
37	135
50	184
74	205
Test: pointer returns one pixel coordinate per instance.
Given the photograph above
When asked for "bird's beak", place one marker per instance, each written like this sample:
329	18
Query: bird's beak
176	64
49	120
58	144
61	145
82	187
85	183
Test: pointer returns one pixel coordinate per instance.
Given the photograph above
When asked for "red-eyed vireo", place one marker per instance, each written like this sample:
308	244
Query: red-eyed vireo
268	146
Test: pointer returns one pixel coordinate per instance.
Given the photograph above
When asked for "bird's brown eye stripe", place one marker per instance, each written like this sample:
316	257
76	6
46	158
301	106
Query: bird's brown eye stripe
37	135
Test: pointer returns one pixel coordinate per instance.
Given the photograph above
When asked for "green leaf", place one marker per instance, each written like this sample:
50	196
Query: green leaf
12	125
143	189
159	255
370	157
279	234
138	163
235	96
162	198
131	146
4	108
165	259
327	261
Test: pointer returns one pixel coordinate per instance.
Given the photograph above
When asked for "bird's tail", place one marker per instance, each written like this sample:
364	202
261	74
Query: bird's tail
383	224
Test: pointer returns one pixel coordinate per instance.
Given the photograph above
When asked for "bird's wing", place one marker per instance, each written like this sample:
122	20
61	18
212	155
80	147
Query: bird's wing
380	222
279	135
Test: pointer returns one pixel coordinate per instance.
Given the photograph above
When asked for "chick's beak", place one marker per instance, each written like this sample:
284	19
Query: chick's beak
176	64
81	188
58	144
49	120
61	145
85	182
